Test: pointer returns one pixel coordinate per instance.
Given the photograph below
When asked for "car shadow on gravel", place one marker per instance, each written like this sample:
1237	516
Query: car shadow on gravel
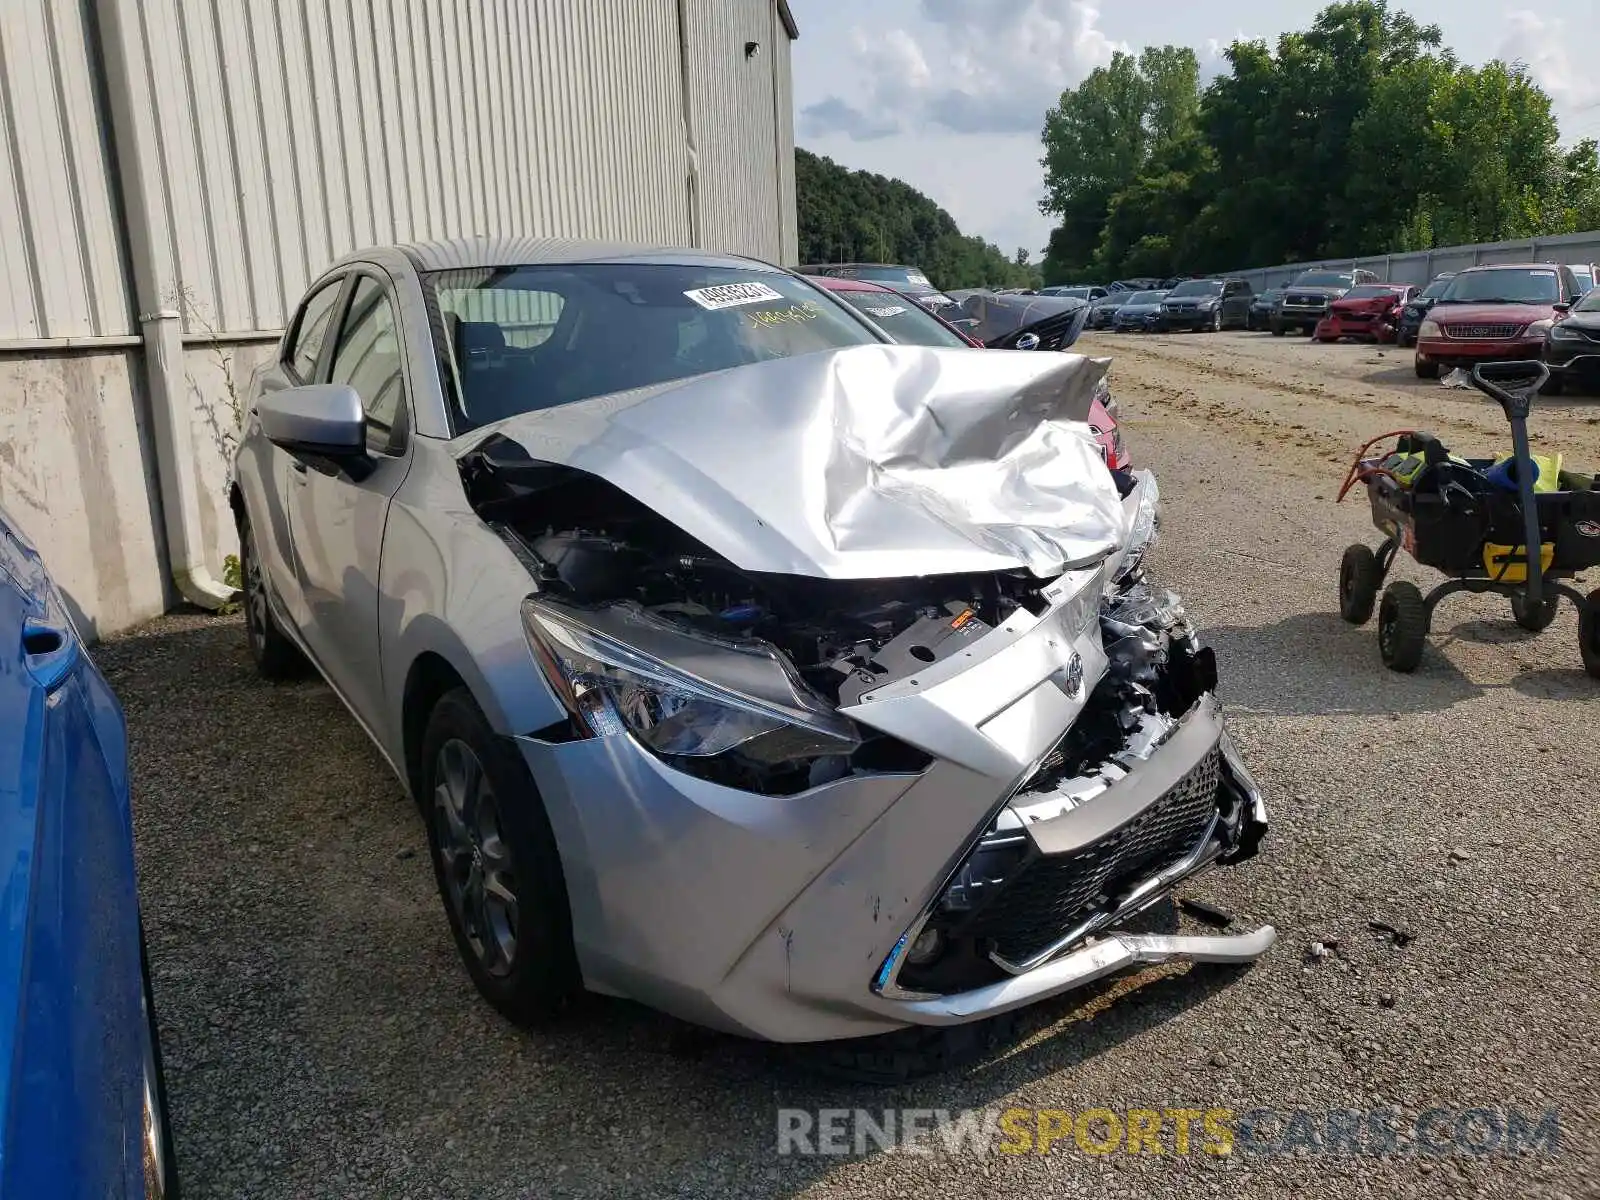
1314	664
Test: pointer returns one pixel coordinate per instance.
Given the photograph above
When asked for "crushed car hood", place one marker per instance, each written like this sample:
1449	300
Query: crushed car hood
866	462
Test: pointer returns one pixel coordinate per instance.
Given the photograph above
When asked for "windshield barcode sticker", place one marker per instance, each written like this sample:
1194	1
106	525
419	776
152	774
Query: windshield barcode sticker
731	295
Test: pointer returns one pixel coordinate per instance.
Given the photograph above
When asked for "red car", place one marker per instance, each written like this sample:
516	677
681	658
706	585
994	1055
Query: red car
1370	311
1493	313
908	322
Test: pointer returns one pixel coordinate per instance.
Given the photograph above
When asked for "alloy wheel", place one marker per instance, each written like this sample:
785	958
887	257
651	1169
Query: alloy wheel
479	874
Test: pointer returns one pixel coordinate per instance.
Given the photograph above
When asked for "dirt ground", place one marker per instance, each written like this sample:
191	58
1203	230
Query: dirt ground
322	1041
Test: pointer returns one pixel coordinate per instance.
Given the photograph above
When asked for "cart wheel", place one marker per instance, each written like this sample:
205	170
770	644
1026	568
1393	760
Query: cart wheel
1533	619
1589	634
1358	584
1402	626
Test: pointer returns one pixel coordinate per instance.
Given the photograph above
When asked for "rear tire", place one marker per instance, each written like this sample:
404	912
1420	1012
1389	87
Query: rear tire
1358	584
1589	634
1426	370
1402	626
1534	620
275	656
497	866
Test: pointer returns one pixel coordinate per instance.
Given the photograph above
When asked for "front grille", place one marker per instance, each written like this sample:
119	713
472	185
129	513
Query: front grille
1481	331
1306	301
1052	332
1047	895
1355	316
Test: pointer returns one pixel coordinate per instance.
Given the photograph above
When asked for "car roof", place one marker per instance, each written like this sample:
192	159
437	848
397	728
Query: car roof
834	283
1514	266
477	252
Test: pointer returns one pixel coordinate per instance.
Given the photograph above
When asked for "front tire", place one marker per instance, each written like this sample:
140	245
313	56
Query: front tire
1402	626
497	866
1277	329
1216	322
1554	385
1358	584
1426	370
275	656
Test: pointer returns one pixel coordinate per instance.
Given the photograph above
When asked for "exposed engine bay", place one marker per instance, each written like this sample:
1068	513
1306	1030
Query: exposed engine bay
590	544
842	637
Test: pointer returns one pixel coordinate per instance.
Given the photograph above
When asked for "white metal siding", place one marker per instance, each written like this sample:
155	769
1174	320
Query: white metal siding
62	271
732	104
783	110
294	131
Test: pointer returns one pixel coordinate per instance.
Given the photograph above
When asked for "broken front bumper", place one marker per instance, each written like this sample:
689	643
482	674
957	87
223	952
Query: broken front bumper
793	918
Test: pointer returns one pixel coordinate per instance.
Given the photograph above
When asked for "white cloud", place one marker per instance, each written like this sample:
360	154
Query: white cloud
1542	43
973	66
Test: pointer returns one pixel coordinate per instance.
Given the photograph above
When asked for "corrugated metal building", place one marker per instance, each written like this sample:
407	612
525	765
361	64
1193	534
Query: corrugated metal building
173	172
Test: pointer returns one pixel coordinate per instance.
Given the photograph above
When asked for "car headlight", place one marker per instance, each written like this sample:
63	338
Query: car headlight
1539	326
1560	333
1429	329
687	696
1143	529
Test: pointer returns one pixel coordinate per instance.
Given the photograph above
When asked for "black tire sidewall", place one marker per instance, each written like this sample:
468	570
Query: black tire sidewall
544	974
1402	615
275	656
1359	569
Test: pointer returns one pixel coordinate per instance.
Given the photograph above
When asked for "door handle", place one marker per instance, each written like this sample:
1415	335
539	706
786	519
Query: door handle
48	651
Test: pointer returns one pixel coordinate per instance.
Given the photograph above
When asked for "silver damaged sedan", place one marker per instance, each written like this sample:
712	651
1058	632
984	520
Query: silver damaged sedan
742	662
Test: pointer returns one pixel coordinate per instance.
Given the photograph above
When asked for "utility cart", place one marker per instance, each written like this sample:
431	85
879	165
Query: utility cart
1517	526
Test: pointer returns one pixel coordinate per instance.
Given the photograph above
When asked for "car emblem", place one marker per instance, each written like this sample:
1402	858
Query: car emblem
1070	677
1587	528
1028	341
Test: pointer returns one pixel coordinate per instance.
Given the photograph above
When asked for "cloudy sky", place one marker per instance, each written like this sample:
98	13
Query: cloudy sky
949	95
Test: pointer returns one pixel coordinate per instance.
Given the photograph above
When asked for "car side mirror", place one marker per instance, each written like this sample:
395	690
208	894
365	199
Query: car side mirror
1562	306
316	420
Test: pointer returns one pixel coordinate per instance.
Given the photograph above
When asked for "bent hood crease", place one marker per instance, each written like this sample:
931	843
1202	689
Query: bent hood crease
866	462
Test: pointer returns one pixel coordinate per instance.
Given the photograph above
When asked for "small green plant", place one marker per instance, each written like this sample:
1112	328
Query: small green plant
232	576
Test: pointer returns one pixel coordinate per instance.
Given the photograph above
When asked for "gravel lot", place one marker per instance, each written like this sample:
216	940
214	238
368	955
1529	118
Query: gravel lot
321	1039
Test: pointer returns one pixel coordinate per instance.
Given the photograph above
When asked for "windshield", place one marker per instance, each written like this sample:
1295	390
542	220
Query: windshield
904	320
1077	293
1269	295
1195	287
1435	289
516	339
1504	285
907	277
1585	278
1146	298
1590	301
1327	279
1369	290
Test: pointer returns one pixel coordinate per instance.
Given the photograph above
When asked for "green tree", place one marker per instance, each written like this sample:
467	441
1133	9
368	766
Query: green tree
1359	135
856	216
